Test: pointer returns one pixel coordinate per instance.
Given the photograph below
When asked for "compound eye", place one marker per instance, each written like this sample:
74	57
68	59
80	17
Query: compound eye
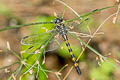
60	19
54	20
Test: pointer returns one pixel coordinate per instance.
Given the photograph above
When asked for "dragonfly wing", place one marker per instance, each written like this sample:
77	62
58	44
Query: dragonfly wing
34	42
35	38
32	49
53	45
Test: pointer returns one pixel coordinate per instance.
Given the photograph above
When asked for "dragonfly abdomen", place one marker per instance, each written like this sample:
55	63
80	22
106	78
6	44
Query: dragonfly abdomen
72	55
61	29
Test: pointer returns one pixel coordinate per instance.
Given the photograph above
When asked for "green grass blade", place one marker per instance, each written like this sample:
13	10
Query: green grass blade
9	65
15	73
23	25
87	14
15	54
63	12
96	52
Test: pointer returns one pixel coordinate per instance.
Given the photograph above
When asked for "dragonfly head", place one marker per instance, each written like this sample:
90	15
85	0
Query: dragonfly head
58	20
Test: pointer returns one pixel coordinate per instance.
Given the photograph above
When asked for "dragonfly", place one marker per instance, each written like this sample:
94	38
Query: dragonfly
59	28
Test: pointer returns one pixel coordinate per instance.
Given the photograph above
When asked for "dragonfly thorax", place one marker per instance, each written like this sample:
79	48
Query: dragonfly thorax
61	29
58	20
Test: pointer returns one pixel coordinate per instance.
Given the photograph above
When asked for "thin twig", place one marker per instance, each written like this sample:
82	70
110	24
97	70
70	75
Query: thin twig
15	54
63	68
69	8
117	13
103	23
9	65
68	73
29	69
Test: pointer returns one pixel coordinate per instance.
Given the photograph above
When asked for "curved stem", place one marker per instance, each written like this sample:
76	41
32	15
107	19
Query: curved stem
9	65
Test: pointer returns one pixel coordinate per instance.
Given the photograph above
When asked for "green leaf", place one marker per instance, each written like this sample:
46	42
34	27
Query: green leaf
40	28
30	59
104	71
98	75
27	77
107	66
41	76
